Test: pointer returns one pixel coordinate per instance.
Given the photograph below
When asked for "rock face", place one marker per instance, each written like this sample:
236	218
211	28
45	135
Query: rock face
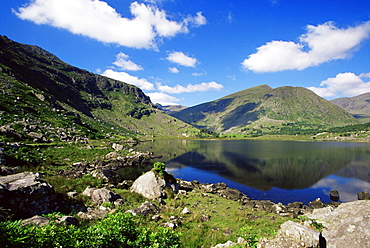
152	186
27	195
346	226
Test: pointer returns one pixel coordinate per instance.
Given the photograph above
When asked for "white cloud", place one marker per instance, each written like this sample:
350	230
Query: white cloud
198	20
182	59
97	20
320	44
127	78
173	70
124	63
190	88
163	99
343	84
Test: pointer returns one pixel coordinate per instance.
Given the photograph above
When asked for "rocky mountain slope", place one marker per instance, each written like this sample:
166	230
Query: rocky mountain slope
267	110
44	98
358	106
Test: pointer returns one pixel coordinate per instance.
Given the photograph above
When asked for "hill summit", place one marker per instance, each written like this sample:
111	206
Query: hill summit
47	99
264	109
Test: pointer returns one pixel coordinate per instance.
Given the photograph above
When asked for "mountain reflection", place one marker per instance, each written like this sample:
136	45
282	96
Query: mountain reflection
267	164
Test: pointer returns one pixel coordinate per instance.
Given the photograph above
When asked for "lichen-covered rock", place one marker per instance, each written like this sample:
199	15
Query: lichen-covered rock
153	186
292	235
26	194
36	220
346	226
98	196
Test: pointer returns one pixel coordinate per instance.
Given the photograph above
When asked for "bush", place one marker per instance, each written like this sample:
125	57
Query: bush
116	230
160	168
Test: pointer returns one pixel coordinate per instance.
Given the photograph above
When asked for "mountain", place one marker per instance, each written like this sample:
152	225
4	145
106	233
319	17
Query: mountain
170	108
46	98
263	109
358	106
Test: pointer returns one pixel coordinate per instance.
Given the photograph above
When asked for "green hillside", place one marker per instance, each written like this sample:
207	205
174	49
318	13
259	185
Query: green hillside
358	106
265	110
45	99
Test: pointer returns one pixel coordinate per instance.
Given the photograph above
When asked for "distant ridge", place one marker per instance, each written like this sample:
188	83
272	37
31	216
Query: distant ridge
358	106
264	109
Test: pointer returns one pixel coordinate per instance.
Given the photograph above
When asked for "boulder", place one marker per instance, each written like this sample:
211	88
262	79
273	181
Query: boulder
26	194
153	186
346	226
363	196
98	196
147	208
292	234
36	220
334	195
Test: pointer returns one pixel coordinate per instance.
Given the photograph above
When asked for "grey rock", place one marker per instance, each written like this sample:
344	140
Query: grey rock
334	195
147	208
363	196
292	235
36	220
26	194
117	147
68	220
92	214
98	196
346	226
152	186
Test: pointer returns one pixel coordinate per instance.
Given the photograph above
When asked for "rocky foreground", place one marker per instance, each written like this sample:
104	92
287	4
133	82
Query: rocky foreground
28	196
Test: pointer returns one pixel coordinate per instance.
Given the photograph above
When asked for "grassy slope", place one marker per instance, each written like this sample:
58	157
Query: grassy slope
31	73
262	107
358	106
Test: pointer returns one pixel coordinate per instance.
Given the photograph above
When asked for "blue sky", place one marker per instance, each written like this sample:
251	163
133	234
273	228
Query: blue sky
189	52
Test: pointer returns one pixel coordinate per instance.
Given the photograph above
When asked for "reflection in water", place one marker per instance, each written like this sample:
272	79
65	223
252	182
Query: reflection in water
277	170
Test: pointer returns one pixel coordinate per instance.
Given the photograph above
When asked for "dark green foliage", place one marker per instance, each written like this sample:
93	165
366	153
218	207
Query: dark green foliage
116	230
160	168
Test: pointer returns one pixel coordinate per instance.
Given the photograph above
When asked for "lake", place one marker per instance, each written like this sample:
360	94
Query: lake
280	171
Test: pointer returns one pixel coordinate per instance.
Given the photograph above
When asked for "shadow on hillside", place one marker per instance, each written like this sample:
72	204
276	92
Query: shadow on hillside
195	114
241	116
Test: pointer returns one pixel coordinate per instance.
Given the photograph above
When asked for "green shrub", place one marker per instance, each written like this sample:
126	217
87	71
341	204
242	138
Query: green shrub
116	230
160	168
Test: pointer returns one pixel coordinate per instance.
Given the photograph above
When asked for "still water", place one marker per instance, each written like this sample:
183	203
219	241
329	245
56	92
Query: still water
281	171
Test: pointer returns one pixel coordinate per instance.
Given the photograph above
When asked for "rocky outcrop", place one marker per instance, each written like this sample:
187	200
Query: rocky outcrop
152	186
346	226
26	194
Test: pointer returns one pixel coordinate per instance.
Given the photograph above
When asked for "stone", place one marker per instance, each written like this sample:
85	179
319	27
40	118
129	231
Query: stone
92	214
292	234
112	155
363	196
98	196
346	226
316	203
153	186
36	220
107	175
186	211
205	218
334	195
147	208
229	193
68	220
117	147
27	195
